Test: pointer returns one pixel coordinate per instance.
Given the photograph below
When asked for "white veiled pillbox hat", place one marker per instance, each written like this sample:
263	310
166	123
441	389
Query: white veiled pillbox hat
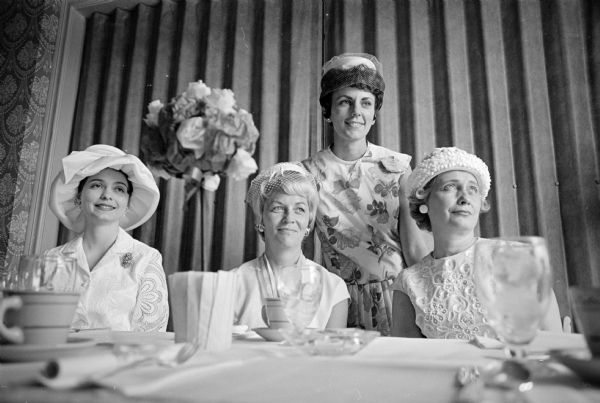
446	159
81	164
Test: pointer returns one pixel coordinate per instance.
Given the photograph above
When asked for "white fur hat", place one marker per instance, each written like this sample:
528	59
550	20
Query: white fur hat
446	159
81	164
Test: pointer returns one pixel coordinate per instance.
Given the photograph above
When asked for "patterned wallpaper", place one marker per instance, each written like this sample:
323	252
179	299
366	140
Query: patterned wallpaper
27	42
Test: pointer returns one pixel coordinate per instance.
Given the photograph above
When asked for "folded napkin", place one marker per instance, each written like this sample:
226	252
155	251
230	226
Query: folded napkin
203	306
72	372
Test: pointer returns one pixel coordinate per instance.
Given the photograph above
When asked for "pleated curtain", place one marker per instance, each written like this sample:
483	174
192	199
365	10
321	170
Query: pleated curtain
515	82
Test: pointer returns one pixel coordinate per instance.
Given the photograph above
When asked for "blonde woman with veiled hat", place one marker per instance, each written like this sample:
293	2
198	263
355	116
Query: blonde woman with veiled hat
101	193
436	297
363	222
284	201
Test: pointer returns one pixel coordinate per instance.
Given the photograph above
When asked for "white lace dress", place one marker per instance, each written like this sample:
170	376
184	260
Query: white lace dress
442	292
126	290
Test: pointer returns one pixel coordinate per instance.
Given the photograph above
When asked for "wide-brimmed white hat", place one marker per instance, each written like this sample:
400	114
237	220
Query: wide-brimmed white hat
81	164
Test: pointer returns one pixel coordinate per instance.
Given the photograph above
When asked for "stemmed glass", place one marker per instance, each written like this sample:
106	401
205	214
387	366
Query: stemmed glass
300	289
513	281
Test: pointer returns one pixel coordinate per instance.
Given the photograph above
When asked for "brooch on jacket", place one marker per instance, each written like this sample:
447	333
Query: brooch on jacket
126	260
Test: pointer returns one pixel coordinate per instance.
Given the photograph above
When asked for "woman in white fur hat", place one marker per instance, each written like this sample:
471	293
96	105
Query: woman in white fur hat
101	193
436	297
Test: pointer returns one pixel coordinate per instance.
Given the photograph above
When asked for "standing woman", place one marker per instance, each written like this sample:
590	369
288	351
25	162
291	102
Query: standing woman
100	194
363	221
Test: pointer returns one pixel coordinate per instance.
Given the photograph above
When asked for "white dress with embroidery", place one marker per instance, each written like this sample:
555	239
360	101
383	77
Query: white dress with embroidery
126	290
442	292
256	281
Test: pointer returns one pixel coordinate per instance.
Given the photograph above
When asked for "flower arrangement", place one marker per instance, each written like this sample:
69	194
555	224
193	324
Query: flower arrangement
199	135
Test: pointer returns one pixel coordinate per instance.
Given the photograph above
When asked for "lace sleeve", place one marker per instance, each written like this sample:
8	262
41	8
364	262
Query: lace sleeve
151	311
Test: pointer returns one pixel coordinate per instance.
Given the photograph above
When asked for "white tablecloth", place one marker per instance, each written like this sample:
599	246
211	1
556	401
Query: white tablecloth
389	369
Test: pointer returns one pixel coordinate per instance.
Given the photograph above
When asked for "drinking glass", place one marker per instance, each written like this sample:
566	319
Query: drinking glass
300	288
513	281
54	273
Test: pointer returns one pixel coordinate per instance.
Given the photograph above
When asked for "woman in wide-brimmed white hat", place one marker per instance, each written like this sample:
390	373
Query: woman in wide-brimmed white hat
101	193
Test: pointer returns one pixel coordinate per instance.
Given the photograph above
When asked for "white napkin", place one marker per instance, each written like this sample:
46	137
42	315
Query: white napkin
203	305
72	372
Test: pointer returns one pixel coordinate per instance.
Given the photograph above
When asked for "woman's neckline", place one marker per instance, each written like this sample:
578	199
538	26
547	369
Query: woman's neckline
456	253
349	162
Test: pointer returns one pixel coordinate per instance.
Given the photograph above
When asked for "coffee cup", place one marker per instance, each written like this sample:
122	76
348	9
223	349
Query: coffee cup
586	306
273	314
36	317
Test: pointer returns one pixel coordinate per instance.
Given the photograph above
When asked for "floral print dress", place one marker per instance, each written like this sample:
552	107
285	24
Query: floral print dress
357	225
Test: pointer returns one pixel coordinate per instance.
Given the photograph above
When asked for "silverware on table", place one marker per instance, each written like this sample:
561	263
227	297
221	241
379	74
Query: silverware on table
183	354
509	382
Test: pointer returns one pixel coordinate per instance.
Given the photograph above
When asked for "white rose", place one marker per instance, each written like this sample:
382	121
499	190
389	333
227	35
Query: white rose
154	108
191	135
241	165
197	90
223	100
211	182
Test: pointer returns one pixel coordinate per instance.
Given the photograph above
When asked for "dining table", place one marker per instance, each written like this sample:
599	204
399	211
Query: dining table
387	369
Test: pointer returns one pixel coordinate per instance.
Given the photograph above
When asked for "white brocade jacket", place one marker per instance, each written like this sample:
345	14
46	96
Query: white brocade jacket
126	290
442	292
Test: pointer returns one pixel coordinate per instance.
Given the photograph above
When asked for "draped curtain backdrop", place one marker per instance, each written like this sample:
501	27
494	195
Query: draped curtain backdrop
516	82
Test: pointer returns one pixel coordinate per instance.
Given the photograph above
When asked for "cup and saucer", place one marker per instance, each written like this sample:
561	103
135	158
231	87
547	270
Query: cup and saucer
35	326
585	362
275	318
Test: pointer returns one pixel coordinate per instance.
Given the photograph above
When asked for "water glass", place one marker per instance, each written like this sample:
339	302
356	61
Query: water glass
53	273
300	288
513	281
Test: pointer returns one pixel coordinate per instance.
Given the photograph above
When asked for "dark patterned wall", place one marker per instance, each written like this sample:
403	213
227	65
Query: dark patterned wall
27	43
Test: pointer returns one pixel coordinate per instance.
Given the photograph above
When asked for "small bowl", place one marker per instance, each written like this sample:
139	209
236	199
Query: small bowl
330	342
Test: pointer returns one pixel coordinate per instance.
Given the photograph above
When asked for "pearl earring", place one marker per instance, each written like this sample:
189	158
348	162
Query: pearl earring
423	209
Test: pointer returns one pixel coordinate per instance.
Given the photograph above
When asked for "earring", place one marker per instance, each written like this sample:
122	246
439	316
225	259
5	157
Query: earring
259	227
77	202
423	209
307	232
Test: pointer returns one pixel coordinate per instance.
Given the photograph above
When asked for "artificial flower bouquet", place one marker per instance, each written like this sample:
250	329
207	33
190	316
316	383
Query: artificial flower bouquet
199	135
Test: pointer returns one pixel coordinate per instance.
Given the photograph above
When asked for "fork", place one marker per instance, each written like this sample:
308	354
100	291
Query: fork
185	353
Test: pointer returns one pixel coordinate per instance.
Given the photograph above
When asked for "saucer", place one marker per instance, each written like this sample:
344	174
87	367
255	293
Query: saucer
37	352
268	333
581	362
